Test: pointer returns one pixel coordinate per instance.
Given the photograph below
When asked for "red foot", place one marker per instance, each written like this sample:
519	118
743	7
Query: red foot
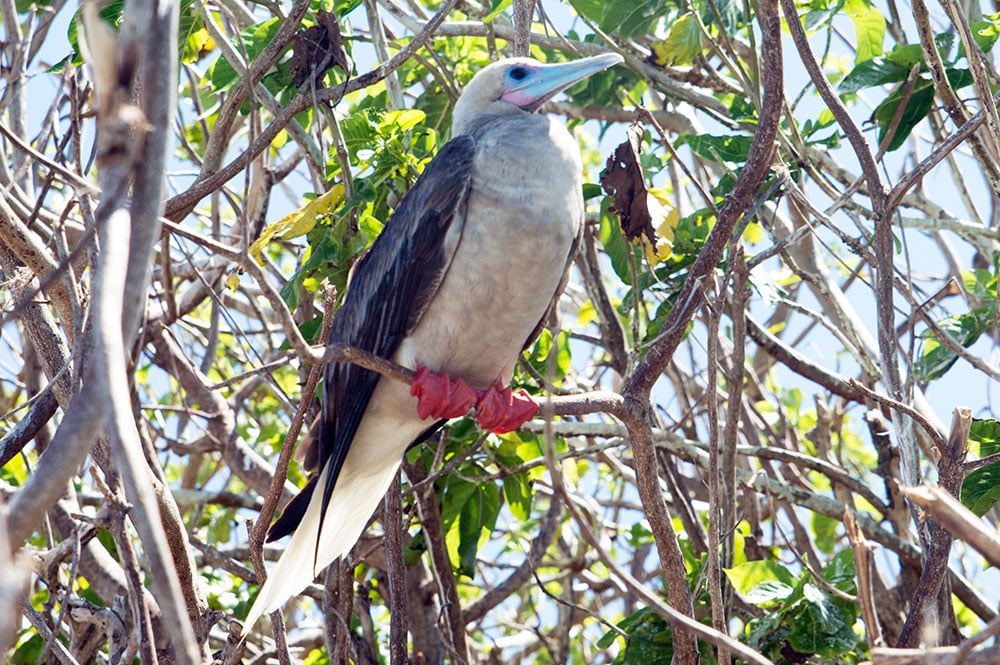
439	396
500	411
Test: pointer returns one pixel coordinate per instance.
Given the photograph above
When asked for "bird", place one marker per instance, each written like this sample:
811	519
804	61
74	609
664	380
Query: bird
461	279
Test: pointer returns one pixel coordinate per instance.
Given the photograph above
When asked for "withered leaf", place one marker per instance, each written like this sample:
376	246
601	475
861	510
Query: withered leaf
622	178
317	49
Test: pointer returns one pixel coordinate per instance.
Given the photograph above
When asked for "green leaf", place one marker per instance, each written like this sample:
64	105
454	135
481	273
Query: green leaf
824	532
768	592
765	631
819	626
731	13
110	13
682	44
869	28
871	73
981	489
24	6
690	236
497	7
591	191
630	19
436	107
310	331
399	121
29	650
985	34
344	7
469	512
987	434
15	471
607	639
935	358
906	55
590	9
554	367
982	284
917	106
840	570
359	131
614	243
221	526
723	149
330	256
255	39
456	494
746	576
633	19
517	494
478	517
649	640
741	110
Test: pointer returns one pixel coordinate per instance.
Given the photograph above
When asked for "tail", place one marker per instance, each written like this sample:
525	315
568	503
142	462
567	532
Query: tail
355	497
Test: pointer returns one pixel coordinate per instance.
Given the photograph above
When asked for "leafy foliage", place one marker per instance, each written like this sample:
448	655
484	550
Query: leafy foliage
802	619
981	488
936	356
536	525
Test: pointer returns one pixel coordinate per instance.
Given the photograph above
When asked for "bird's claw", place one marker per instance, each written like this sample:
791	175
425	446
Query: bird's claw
500	410
440	396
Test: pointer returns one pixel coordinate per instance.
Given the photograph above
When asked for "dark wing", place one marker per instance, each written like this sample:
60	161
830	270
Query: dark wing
389	290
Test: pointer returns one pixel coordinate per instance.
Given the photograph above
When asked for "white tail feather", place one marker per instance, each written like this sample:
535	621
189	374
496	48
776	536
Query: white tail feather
354	499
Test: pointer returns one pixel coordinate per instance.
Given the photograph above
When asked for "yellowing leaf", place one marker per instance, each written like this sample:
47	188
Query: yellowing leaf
753	234
587	313
198	44
297	223
402	120
571	469
669	217
682	44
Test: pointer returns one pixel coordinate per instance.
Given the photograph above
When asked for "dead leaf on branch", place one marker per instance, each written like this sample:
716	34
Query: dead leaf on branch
623	179
317	49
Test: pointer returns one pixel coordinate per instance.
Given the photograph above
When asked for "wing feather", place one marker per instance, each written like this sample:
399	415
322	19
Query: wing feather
389	290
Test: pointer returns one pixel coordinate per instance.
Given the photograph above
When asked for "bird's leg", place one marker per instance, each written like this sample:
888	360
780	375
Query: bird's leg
440	396
500	410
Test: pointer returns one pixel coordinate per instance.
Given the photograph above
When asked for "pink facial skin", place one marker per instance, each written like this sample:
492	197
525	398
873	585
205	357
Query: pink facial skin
518	98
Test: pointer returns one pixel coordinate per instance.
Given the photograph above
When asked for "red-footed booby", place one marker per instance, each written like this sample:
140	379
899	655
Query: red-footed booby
458	283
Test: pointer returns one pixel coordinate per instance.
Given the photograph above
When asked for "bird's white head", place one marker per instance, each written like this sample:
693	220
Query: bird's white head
520	85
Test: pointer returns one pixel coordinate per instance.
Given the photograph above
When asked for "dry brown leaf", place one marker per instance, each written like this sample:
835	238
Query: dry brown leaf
317	49
623	179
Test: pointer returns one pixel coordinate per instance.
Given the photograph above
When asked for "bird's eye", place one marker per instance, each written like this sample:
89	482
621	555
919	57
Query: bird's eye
517	74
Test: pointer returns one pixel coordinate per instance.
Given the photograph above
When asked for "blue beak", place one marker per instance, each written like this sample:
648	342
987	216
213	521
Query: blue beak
543	82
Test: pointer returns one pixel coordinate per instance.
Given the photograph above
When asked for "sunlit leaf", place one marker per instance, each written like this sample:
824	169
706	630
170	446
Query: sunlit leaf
768	592
985	34
517	494
935	358
869	28
746	576
497	7
681	45
297	223
981	487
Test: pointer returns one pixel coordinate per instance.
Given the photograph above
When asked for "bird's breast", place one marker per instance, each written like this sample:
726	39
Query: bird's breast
523	214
